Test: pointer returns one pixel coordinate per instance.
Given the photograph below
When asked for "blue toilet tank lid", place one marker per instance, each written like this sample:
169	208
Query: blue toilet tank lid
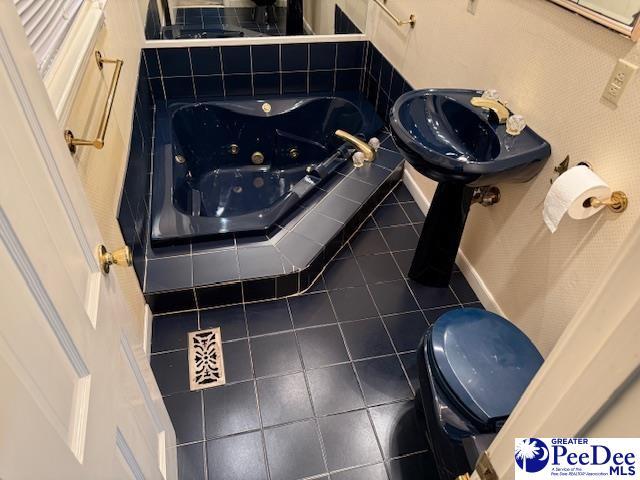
486	361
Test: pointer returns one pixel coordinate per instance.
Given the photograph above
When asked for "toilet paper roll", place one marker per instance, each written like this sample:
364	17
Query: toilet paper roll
568	194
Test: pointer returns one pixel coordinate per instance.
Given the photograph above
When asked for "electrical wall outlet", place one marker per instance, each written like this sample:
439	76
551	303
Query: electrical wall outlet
620	78
472	6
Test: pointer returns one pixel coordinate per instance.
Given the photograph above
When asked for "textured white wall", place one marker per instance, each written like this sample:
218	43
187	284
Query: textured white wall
102	171
552	66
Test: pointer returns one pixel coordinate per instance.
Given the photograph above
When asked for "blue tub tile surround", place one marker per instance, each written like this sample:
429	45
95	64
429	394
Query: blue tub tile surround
343	24
135	199
194	73
280	263
203	72
355	333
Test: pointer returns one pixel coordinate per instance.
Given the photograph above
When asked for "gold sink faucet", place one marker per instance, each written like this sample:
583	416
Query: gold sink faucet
367	150
496	106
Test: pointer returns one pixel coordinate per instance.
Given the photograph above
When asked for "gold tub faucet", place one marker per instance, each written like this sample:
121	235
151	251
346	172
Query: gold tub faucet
367	150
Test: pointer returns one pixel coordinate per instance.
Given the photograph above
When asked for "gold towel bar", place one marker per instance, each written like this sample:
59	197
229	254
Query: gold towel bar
412	17
98	142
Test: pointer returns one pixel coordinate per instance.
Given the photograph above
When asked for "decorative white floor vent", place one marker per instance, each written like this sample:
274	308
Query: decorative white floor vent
206	363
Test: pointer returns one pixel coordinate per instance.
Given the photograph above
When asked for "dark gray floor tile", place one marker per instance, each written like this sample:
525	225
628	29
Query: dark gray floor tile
268	317
353	303
170	331
311	309
191	461
389	215
462	289
294	451
342	274
239	457
379	268
371	472
185	411
283	399
410	363
393	297
367	338
369	224
237	361
406	330
275	354
335	389
413	212
322	346
230	409
349	440
400	238
433	297
171	371
398	429
368	242
383	380
404	259
435	313
403	194
230	320
413	467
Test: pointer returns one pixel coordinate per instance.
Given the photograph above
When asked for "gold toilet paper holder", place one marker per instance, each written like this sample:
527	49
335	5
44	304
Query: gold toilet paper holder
617	203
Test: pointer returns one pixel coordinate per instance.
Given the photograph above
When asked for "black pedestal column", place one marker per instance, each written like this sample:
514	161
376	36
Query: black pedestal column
436	253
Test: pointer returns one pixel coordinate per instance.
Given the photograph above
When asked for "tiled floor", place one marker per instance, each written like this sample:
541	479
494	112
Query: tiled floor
320	385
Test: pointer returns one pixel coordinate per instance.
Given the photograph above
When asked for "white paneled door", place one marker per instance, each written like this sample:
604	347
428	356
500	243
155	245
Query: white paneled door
77	397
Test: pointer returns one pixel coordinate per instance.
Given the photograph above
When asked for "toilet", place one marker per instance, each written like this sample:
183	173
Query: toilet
473	367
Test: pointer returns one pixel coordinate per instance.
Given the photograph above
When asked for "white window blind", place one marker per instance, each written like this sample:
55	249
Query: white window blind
46	23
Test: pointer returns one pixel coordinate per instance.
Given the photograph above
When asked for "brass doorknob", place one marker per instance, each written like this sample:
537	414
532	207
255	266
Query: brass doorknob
122	256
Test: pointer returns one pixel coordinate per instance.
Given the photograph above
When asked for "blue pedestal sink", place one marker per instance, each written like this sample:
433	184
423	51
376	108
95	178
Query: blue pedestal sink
462	147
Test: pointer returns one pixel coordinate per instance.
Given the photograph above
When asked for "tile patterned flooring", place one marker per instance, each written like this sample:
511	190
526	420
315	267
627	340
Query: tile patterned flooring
319	385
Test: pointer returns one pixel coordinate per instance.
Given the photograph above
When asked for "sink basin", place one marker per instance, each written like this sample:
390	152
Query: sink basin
447	139
460	146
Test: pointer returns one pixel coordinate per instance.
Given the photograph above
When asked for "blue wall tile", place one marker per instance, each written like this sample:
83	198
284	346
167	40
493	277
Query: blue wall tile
266	83
151	59
348	80
265	58
238	85
321	81
209	86
206	60
350	54
236	59
175	62
295	82
294	57
322	56
179	87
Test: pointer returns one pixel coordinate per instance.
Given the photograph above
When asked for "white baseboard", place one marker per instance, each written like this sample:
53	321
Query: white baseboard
146	332
471	274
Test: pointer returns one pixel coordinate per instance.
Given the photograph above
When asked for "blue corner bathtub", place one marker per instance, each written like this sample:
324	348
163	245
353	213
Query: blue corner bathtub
237	166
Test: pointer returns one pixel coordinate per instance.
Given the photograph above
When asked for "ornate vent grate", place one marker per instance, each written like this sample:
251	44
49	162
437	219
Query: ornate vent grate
206	364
